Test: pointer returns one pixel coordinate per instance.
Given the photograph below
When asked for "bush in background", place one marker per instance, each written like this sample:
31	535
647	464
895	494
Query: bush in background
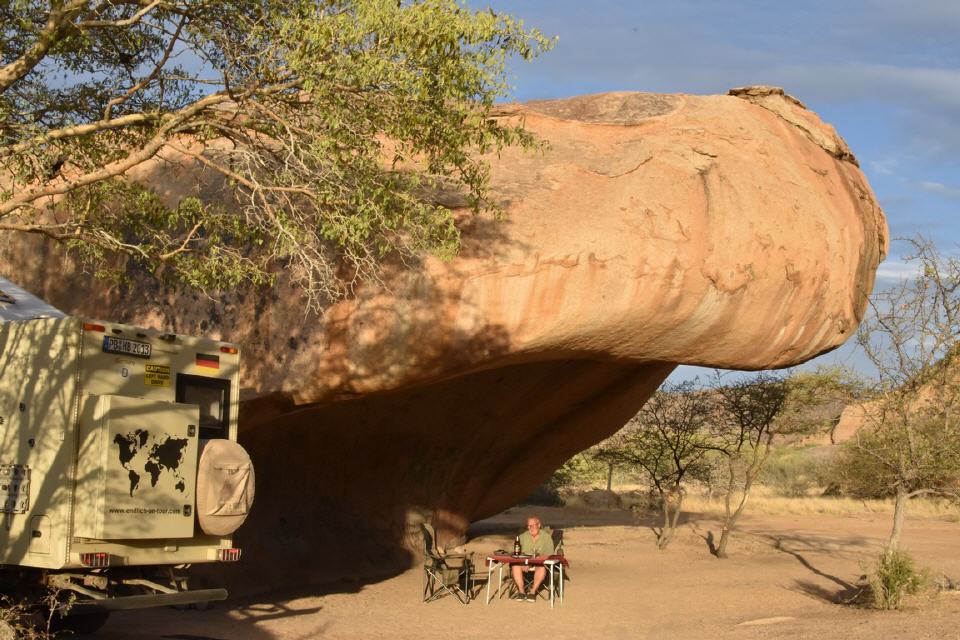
579	471
796	472
544	496
582	470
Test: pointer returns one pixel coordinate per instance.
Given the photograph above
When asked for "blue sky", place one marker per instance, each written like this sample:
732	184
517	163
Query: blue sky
885	73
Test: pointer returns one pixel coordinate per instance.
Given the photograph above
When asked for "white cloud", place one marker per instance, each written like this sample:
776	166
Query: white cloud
940	189
909	86
886	165
891	271
921	17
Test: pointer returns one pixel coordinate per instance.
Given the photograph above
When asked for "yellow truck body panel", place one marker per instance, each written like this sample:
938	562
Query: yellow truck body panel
101	426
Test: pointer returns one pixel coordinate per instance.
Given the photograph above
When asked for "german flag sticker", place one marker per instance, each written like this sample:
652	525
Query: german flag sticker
207	360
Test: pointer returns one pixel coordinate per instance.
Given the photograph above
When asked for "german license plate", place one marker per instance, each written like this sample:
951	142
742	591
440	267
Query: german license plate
126	347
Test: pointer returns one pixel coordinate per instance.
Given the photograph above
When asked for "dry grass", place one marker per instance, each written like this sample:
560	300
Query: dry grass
763	501
766	501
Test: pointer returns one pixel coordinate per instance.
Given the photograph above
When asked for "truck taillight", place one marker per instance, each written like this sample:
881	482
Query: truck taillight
98	559
228	555
89	326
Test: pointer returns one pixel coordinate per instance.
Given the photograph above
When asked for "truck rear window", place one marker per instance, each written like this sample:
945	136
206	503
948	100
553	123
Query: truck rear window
212	395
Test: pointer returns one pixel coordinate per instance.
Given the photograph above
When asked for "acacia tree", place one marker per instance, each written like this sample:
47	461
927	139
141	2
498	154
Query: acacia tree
909	444
816	400
743	425
814	405
331	122
667	440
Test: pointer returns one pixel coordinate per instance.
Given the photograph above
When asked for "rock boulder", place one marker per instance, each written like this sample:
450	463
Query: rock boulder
731	231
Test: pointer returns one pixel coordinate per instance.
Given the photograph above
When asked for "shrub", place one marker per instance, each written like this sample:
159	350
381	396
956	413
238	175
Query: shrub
18	621
40	620
794	471
884	454
579	470
544	496
895	577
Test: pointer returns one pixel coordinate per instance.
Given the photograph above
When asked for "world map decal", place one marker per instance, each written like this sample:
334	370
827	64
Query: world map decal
141	453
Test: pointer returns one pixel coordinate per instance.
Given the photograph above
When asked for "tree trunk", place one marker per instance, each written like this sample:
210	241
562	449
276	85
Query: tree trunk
724	538
728	524
663	539
671	516
899	511
610	477
676	512
731	521
721	550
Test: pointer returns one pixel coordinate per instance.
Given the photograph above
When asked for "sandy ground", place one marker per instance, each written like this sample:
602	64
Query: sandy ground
782	580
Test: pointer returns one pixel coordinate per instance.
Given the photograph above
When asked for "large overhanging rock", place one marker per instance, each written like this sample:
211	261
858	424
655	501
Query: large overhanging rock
731	231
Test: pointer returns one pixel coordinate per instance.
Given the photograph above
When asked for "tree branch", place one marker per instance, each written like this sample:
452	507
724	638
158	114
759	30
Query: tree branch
934	492
126	22
81	130
253	186
49	230
183	246
149	77
47	37
144	153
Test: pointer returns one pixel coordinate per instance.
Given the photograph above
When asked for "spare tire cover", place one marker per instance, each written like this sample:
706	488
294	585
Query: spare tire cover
225	487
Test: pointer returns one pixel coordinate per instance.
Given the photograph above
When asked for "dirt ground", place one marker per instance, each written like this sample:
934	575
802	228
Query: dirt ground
782	580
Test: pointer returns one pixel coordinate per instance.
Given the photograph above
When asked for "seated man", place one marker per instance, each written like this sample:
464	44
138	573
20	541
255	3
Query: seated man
534	542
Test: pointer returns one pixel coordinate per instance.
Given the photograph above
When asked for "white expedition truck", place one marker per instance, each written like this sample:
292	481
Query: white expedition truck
119	466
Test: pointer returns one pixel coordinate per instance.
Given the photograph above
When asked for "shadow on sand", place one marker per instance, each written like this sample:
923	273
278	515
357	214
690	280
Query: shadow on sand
237	618
512	521
801	546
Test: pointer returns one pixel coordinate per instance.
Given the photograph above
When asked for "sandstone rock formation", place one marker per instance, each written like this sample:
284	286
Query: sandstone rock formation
731	231
852	419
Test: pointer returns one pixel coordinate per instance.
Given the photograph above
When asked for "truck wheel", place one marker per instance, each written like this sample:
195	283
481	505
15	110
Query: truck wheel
81	624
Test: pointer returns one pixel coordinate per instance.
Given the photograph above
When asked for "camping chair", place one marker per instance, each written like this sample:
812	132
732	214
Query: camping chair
557	573
444	573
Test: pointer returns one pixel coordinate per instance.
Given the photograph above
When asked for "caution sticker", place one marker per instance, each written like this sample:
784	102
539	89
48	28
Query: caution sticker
157	375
